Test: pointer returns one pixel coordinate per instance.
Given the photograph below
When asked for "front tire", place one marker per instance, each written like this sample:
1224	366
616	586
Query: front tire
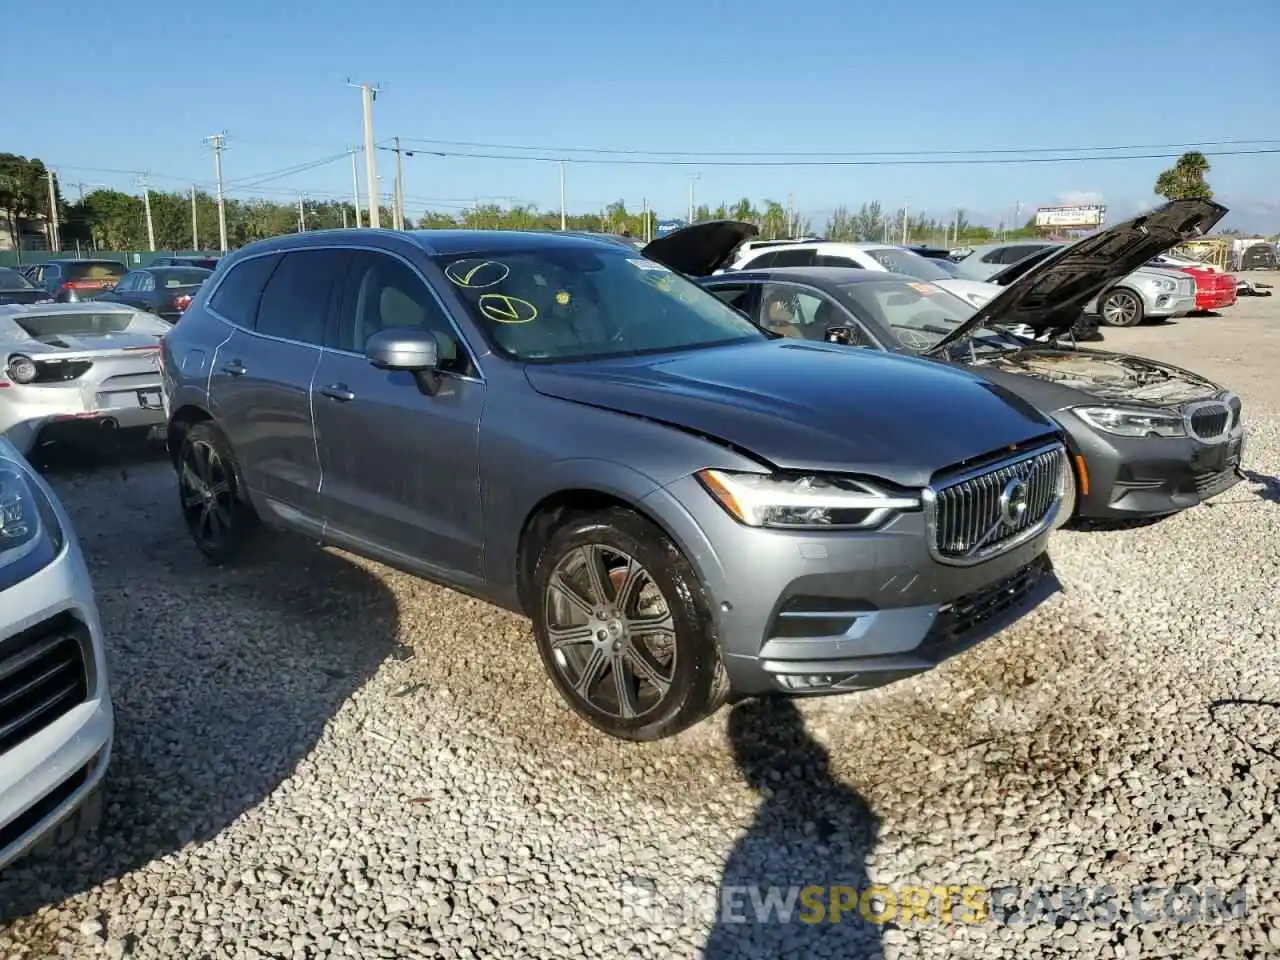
214	508
1121	308
624	627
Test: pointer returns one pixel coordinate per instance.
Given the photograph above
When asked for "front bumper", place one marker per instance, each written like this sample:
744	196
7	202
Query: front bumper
46	776
814	613
1135	478
1170	306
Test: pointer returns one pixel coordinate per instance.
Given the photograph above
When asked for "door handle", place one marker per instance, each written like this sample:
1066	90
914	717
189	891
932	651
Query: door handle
338	391
235	368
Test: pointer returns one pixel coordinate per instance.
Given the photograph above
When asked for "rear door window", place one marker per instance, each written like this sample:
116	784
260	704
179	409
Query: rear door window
238	294
295	301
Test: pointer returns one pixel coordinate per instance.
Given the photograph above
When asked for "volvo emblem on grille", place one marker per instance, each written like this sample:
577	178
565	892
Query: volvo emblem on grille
1014	499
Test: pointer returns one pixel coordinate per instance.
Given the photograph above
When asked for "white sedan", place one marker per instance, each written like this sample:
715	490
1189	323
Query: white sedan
865	256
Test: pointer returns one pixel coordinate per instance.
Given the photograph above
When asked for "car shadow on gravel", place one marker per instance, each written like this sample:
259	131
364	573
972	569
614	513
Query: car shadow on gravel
810	831
223	681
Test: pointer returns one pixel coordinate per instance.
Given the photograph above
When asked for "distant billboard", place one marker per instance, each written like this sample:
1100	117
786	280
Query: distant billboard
667	226
1071	218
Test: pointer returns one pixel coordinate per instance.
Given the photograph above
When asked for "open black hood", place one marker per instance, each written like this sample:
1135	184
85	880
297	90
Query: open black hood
700	249
1051	295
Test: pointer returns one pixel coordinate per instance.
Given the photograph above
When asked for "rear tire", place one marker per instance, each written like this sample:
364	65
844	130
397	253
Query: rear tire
214	505
635	668
1121	308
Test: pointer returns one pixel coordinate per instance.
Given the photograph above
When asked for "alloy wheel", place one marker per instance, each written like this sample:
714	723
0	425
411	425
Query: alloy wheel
1121	309
205	481
611	631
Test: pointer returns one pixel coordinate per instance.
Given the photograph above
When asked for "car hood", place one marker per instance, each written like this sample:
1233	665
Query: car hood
1101	374
810	406
700	249
1051	295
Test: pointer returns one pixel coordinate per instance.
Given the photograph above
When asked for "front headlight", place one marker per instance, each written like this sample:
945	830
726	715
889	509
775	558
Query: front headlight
1135	422
30	535
803	502
1166	285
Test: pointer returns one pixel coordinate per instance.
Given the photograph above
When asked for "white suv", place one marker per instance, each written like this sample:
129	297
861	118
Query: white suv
865	256
56	721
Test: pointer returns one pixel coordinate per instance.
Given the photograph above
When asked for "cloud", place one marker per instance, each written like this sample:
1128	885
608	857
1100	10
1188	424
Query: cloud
1079	198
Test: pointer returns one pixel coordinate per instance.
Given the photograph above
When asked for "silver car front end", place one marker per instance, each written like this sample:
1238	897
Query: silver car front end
56	721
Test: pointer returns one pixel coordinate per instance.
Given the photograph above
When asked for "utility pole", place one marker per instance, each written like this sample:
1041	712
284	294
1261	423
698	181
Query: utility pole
302	216
195	228
692	181
218	141
369	93
355	186
564	213
397	214
644	205
904	225
344	216
146	202
55	241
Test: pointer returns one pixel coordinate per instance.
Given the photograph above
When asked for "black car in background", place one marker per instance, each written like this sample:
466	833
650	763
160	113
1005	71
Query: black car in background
164	291
69	280
204	263
15	288
1146	439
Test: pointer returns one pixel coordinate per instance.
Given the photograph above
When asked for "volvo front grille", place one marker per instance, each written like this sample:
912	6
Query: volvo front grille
986	512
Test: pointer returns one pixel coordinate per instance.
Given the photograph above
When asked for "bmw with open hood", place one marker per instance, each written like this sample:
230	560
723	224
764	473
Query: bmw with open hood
1146	438
685	506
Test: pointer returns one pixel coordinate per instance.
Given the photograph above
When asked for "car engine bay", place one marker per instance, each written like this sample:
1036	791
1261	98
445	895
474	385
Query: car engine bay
1109	377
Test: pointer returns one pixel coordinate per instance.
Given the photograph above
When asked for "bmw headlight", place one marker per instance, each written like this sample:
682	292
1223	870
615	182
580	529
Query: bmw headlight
30	535
1135	422
803	502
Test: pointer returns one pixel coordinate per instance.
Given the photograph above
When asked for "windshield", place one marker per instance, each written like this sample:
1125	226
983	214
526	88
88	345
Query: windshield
918	314
574	303
904	261
13	280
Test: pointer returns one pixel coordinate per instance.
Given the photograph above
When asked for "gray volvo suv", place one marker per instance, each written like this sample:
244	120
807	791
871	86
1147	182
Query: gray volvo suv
687	507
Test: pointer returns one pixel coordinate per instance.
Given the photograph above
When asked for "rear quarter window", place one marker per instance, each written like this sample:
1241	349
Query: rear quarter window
240	291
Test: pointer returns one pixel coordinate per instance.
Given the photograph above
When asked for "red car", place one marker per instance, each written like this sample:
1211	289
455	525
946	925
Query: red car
1214	289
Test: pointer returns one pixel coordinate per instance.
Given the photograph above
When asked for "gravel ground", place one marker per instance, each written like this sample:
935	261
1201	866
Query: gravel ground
317	757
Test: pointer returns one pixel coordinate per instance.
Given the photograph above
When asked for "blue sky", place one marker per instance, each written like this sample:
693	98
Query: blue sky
818	76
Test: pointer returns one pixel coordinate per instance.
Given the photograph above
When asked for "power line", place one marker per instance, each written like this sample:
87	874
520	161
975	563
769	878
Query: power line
842	163
839	153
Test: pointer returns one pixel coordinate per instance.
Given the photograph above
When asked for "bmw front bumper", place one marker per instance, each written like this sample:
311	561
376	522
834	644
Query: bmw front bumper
1132	478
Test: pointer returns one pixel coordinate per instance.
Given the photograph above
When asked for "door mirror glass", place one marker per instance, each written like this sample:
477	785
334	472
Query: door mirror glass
413	350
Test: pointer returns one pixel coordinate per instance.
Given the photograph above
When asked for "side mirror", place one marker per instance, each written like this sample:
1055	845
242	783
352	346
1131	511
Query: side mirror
410	349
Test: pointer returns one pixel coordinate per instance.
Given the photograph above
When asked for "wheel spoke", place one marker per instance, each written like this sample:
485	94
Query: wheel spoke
562	587
561	637
632	577
220	488
638	657
663	626
192	482
204	525
597	575
591	673
624	686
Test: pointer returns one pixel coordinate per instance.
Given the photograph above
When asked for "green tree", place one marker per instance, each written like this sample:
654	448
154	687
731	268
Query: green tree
1185	179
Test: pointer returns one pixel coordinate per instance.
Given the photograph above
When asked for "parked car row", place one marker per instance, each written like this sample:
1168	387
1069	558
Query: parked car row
697	485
